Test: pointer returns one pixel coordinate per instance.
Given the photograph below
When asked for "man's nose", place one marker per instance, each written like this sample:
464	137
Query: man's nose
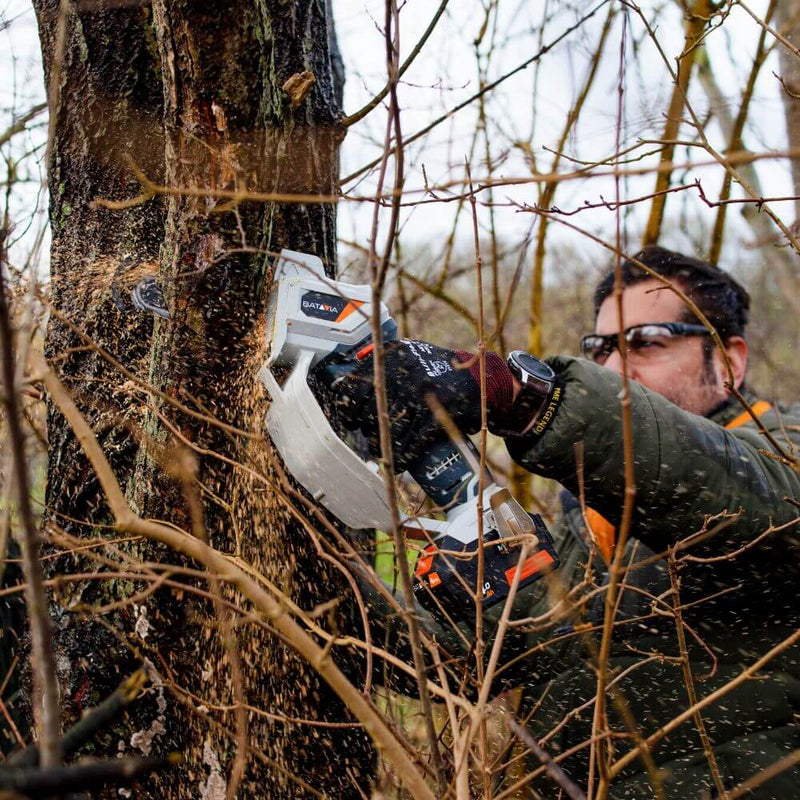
614	361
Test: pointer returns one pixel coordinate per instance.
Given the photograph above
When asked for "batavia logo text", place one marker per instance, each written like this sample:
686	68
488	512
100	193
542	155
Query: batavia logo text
318	306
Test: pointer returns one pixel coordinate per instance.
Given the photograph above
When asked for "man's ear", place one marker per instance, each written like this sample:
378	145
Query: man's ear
736	350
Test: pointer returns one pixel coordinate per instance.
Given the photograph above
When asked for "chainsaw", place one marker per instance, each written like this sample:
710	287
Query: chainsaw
318	330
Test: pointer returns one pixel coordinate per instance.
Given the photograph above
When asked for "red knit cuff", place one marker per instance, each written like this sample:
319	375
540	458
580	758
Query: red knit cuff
499	380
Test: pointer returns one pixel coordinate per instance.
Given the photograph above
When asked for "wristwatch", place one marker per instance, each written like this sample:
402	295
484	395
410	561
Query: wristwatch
538	399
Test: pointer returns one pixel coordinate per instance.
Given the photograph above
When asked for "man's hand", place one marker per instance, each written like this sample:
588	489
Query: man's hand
414	370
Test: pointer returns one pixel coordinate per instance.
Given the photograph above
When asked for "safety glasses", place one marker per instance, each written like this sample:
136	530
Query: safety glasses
649	340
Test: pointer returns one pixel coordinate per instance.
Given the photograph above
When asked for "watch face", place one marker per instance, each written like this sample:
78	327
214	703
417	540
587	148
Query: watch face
530	365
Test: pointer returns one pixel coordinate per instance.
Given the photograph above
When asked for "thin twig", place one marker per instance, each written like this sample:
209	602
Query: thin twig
20	123
38	782
362	112
94	720
481	474
551	768
378	275
488	88
777	34
667	728
600	720
688	678
45	679
745	788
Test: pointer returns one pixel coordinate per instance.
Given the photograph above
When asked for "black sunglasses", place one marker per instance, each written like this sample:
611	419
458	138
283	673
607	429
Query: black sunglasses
639	338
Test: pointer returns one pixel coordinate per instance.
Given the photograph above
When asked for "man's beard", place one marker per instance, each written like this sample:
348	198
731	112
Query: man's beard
707	394
710	394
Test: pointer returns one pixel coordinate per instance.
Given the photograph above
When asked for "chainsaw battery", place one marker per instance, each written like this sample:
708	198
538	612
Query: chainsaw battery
446	573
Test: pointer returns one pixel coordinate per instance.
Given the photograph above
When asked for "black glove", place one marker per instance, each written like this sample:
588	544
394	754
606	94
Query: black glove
413	371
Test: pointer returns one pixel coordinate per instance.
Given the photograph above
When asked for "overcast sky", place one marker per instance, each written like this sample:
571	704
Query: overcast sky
446	74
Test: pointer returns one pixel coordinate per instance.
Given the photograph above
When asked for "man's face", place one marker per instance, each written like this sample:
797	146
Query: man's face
676	368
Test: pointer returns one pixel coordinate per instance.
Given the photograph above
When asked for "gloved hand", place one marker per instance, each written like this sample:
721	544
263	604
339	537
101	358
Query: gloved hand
413	371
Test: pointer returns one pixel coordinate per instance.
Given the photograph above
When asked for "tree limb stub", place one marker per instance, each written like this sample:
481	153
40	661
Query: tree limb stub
298	86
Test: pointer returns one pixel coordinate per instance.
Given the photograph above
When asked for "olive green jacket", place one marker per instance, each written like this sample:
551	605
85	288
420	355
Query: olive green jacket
737	588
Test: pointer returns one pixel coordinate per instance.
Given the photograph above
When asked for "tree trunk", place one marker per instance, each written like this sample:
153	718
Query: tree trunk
210	77
697	16
787	13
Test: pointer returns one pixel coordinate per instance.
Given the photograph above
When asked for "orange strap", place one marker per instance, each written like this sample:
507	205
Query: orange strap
604	534
760	407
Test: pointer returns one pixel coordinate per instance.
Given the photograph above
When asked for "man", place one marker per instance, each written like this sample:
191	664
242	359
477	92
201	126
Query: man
696	453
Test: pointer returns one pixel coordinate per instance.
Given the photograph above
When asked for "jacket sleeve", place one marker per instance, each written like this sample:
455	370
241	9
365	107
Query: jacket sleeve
686	466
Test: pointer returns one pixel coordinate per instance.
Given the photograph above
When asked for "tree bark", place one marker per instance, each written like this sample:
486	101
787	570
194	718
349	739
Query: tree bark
105	105
787	13
210	78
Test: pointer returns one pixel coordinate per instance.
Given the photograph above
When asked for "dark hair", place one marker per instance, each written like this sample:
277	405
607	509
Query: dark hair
722	299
